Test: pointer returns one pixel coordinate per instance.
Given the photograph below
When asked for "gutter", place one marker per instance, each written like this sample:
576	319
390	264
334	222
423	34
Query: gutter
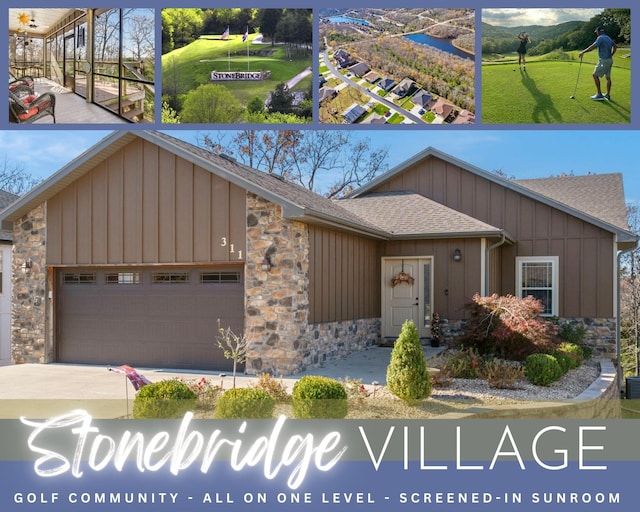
500	242
618	316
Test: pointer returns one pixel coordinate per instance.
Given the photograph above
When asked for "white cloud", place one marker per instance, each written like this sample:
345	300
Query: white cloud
545	17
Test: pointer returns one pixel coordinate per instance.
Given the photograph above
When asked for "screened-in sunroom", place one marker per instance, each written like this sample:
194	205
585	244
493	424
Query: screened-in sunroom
95	65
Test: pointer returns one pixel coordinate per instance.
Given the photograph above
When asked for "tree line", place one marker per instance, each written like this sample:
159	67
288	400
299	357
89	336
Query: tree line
181	27
567	36
436	71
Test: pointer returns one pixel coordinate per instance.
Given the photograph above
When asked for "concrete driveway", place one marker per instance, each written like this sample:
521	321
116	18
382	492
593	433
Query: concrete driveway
43	390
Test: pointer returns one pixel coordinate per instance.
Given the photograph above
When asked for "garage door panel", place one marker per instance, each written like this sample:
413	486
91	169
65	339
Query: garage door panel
170	325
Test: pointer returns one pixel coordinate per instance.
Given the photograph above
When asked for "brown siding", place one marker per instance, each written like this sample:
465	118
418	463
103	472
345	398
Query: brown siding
454	283
585	251
344	276
146	205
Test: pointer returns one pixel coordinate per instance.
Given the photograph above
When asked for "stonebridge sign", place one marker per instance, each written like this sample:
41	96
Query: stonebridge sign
217	76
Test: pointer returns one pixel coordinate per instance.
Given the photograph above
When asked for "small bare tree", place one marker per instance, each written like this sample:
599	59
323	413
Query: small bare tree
234	347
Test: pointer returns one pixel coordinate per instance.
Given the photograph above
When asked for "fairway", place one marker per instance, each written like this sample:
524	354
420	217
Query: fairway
542	93
192	65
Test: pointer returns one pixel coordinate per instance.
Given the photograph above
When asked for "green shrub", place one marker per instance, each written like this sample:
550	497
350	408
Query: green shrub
573	333
164	399
407	374
569	356
319	397
542	369
240	403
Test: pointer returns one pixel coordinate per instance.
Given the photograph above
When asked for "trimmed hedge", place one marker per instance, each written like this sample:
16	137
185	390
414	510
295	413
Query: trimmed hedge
239	403
542	369
319	397
164	399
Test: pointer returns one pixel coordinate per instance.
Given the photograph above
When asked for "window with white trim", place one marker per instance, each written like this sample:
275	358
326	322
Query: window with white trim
538	277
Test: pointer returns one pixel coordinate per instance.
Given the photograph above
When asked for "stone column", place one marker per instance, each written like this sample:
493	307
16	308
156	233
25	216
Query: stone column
29	304
277	299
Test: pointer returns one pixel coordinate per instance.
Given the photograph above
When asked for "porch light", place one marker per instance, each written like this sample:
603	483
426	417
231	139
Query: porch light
266	263
457	255
26	266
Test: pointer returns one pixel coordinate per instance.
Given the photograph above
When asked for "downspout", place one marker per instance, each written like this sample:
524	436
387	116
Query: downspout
487	261
618	316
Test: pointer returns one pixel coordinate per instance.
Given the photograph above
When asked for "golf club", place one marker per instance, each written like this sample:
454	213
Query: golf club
577	80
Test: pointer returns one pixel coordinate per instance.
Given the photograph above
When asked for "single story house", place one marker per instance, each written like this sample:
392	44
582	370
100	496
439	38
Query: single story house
422	99
374	118
360	69
343	58
326	94
372	77
465	117
403	88
442	108
353	113
135	250
387	84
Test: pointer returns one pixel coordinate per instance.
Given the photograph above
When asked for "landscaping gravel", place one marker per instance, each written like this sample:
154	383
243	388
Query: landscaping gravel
569	386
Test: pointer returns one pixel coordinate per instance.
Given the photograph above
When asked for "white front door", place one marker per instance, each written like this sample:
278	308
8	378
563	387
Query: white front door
406	295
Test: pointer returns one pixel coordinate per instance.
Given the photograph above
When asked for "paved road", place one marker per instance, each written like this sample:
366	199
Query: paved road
371	94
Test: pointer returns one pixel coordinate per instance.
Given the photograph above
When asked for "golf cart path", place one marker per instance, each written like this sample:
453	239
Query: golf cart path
291	83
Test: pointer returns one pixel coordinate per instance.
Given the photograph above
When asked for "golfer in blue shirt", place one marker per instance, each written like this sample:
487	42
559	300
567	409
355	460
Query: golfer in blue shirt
606	49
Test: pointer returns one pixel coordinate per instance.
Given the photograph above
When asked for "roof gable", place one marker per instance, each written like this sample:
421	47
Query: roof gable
297	202
607	218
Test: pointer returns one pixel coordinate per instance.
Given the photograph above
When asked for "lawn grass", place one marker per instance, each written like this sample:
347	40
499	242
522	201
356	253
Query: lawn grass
630	409
542	93
395	119
195	62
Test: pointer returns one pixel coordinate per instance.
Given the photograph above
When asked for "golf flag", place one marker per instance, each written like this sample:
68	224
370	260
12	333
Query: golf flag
246	35
225	34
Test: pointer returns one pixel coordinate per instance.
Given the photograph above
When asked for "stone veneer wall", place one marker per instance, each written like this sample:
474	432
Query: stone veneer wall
280	339
29	304
600	335
333	340
276	301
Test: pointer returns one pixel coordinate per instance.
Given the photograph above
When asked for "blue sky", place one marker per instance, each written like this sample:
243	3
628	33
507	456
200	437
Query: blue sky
544	17
520	153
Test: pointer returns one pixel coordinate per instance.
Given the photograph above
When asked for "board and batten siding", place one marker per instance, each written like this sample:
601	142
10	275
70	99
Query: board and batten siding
586	252
145	205
454	282
344	276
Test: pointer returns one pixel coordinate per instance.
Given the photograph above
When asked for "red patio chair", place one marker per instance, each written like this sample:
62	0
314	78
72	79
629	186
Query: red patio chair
30	108
22	86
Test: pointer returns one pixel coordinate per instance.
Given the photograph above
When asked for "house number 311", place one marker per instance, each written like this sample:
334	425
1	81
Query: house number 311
232	249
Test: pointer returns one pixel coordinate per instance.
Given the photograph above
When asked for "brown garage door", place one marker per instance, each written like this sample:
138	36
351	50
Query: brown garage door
158	317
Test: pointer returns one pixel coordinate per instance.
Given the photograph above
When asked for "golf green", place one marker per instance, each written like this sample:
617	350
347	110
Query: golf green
543	94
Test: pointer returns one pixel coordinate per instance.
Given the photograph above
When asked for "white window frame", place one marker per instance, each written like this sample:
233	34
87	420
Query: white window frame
555	276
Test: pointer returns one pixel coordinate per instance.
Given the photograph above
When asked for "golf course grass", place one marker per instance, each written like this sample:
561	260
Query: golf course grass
542	93
192	65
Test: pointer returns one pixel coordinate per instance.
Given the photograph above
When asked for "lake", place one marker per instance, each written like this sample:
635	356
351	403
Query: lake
346	19
440	44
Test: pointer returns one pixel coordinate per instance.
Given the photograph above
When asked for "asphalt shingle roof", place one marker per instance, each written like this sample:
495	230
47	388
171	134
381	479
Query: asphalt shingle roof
598	195
411	214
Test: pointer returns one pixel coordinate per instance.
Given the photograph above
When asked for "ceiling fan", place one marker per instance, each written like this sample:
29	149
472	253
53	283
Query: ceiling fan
32	21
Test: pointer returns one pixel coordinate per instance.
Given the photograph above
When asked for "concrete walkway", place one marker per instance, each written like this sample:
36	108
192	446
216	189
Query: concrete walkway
41	390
